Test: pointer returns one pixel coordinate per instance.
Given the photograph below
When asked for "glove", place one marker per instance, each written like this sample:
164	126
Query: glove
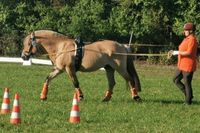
172	52
175	52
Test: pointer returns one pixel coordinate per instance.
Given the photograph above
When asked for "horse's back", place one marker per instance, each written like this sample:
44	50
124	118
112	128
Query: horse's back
107	46
101	53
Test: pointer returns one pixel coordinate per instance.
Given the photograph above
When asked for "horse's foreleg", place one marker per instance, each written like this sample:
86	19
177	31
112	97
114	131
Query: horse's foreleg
111	83
43	95
74	79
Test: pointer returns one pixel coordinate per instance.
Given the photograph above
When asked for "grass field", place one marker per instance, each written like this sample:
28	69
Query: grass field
162	109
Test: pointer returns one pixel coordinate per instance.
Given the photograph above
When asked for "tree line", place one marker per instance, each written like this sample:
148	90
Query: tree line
150	21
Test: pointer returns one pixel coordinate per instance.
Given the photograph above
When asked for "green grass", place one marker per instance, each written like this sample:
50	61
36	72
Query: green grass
162	109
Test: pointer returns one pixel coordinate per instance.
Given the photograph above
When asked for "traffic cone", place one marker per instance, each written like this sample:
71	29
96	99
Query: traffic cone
15	116
75	114
5	107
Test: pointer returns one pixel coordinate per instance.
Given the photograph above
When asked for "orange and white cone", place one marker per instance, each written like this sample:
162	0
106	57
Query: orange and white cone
15	116
75	114
5	107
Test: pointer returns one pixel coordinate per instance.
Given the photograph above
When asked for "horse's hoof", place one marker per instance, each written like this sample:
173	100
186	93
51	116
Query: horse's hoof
137	99
43	98
81	97
106	99
108	96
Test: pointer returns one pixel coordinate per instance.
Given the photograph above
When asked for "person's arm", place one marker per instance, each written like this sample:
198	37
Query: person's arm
176	52
184	53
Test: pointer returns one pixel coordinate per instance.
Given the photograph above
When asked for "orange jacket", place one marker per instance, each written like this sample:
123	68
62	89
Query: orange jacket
188	63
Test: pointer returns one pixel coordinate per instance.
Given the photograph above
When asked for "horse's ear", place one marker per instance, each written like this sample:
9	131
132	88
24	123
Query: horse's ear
32	34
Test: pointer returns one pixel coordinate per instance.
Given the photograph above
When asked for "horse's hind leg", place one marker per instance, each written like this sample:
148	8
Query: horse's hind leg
43	95
72	75
134	91
131	83
111	83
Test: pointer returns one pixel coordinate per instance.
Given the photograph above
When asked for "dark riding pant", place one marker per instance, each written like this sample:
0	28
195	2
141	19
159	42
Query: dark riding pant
185	87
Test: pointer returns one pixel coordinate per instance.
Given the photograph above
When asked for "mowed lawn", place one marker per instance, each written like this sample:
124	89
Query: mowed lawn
161	111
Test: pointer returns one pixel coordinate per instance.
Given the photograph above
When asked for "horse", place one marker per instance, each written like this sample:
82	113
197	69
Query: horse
62	50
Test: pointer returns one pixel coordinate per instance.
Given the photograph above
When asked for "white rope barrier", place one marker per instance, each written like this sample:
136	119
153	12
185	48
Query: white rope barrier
48	62
25	63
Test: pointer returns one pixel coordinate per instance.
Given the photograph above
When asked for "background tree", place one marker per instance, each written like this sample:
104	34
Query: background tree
188	12
151	21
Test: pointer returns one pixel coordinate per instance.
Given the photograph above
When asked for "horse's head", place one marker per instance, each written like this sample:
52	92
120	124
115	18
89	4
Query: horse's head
29	43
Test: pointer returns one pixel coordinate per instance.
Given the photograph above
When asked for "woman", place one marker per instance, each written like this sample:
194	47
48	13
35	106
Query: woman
187	62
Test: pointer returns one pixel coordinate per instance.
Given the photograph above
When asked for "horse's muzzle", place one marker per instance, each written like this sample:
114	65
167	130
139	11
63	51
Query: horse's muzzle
25	57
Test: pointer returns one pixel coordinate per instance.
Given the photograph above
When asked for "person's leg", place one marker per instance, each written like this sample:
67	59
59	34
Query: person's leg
177	80
187	76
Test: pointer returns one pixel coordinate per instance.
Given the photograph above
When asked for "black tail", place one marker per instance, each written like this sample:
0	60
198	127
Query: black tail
132	71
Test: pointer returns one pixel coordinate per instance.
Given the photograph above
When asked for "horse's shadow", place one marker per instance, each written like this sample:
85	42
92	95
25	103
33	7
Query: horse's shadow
168	101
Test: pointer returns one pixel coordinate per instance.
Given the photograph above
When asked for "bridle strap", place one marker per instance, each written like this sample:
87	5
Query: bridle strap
33	43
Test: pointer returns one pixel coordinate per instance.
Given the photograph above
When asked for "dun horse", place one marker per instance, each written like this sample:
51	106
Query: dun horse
66	55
